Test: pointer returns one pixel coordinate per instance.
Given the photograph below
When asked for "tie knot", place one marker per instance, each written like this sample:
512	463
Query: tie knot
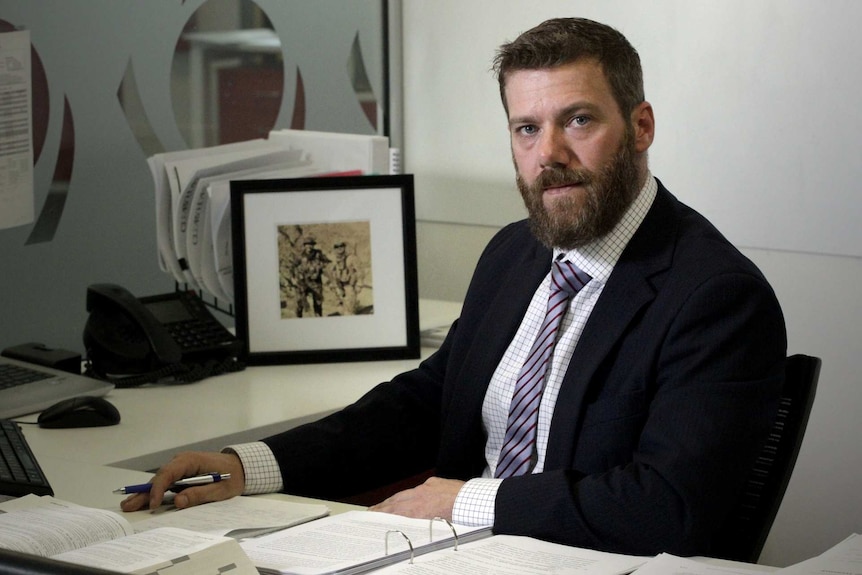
567	277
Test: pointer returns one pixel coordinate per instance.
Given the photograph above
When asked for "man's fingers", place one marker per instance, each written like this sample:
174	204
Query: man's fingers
135	502
190	464
192	496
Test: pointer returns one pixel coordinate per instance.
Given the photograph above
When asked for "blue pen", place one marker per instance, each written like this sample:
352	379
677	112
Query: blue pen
177	486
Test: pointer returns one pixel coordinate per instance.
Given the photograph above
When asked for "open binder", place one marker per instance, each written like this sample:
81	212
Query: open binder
355	542
365	541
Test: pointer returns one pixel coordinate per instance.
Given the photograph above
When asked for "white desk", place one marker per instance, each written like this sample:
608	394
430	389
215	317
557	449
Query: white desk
84	465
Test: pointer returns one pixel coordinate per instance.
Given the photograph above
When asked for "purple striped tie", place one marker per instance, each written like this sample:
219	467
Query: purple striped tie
517	453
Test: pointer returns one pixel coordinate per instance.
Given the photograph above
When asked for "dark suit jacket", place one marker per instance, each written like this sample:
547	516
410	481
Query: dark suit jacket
667	396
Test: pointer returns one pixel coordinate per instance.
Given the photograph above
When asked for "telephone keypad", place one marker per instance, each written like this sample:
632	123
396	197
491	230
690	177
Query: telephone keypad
196	334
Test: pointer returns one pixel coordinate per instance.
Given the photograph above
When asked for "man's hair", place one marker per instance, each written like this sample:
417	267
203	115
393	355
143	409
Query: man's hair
565	40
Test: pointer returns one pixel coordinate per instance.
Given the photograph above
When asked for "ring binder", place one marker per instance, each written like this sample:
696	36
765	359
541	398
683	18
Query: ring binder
447	522
404	535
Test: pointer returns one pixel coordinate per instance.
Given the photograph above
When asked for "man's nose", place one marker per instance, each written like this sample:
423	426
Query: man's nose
554	150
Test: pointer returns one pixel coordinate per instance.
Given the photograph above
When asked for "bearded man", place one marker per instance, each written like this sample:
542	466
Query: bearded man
616	364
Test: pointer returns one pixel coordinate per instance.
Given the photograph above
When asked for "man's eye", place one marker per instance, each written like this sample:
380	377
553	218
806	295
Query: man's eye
527	130
581	120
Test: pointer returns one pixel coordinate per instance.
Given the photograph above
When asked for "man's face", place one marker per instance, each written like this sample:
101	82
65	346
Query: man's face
579	164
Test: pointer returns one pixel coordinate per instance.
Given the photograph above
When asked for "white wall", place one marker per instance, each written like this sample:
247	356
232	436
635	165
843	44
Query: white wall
455	143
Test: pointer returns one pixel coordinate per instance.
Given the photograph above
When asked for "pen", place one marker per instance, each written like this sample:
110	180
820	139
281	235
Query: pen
178	485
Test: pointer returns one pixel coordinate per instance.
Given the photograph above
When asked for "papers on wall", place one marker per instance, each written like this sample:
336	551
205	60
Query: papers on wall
16	137
192	193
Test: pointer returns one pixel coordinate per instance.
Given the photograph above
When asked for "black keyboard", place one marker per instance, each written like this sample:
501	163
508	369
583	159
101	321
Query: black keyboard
20	473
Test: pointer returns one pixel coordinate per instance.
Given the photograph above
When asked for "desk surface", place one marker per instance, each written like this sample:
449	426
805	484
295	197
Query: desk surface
84	465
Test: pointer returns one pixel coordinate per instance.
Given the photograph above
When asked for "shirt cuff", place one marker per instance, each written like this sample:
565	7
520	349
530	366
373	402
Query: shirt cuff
474	504
262	474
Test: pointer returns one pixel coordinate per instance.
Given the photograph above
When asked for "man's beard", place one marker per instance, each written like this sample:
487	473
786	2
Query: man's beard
574	221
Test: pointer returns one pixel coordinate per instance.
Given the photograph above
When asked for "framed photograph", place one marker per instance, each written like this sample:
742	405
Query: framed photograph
325	269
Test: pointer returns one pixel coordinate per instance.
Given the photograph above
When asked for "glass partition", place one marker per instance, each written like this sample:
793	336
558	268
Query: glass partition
116	82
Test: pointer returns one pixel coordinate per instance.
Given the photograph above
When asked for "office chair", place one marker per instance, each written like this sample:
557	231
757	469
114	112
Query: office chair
745	532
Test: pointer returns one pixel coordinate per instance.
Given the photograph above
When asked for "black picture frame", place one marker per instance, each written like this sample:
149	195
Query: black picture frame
297	297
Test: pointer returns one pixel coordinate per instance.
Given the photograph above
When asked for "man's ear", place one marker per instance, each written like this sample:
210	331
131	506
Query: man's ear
643	122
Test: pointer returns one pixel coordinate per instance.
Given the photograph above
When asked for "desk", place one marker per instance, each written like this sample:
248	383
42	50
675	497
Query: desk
84	465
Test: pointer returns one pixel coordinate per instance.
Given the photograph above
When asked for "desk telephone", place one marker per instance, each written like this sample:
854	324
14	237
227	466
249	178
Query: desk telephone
131	341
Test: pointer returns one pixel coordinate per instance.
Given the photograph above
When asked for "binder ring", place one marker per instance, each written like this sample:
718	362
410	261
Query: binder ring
447	522
407	539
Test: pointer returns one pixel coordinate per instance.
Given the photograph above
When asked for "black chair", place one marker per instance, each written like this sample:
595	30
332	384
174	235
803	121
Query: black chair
744	535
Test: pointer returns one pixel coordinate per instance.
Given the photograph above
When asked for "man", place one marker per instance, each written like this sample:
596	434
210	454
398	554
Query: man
345	276
307	269
665	369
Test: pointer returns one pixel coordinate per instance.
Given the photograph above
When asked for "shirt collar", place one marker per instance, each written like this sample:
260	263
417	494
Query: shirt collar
599	257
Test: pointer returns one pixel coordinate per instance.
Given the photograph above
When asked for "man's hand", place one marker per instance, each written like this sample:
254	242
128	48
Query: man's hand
434	498
189	464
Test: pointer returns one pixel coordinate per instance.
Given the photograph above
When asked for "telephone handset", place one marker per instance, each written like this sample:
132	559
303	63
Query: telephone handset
132	341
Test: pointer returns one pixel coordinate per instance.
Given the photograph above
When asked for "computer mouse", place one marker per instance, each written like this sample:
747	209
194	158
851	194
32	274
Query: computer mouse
81	411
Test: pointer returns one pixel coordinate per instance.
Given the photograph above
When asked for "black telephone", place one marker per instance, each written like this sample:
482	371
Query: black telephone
131	341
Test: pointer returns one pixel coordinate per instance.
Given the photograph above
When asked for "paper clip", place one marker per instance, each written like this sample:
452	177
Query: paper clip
409	543
447	522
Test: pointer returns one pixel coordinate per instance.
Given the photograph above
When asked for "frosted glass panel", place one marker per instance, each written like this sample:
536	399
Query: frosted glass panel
118	81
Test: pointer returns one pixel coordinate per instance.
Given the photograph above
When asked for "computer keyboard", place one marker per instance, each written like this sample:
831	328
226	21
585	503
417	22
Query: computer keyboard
12	375
20	473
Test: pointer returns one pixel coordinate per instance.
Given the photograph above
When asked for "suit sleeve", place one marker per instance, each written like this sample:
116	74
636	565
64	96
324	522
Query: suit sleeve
391	433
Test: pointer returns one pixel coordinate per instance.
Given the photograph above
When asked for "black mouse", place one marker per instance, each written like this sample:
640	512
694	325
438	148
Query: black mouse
82	411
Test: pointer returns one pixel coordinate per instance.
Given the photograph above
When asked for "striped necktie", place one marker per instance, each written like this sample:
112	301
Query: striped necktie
517	456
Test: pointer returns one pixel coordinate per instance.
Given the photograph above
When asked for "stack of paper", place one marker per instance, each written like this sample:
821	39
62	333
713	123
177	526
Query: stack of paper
844	558
189	542
192	193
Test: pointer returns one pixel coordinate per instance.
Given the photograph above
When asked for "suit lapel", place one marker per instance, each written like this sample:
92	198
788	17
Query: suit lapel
628	289
505	313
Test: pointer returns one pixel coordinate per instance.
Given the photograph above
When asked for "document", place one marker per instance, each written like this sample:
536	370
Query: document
192	193
169	181
178	551
339	152
190	172
64	531
511	555
353	542
667	564
205	537
210	254
238	517
16	130
844	559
